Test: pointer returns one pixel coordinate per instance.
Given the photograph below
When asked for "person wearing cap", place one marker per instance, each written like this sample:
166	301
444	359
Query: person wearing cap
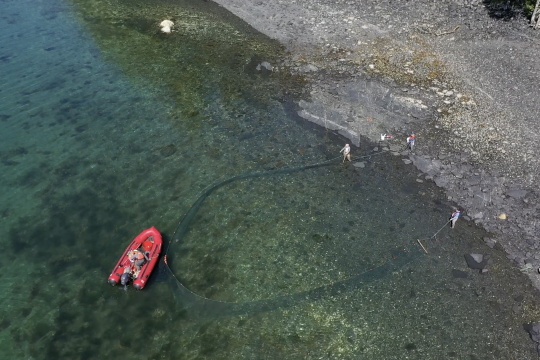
410	141
346	152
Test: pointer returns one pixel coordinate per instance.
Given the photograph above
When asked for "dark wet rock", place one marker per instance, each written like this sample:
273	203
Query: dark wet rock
534	331
167	150
410	347
475	261
10	162
516	193
245	136
458	274
490	242
351	336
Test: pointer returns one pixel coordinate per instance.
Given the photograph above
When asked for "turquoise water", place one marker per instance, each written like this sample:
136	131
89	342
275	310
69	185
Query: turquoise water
322	263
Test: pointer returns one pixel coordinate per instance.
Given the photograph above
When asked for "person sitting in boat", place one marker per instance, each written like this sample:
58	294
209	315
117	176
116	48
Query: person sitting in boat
137	258
147	246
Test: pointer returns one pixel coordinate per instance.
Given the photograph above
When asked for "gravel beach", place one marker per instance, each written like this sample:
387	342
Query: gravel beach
461	74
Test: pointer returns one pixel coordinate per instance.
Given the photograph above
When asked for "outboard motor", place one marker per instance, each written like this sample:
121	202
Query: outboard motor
125	278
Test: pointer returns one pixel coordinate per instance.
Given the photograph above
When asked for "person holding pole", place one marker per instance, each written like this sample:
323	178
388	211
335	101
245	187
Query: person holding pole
455	216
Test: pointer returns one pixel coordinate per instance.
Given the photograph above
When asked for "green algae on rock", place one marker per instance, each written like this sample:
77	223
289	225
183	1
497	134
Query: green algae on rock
209	51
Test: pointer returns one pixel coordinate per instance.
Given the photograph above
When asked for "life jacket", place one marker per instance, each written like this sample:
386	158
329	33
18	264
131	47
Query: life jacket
137	255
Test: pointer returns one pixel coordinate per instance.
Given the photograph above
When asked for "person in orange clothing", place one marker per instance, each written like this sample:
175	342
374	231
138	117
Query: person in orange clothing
137	258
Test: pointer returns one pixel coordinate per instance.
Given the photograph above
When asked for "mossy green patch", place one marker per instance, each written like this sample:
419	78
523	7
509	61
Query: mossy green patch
209	55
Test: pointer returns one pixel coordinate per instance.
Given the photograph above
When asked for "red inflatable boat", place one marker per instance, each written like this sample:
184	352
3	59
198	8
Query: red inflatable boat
147	246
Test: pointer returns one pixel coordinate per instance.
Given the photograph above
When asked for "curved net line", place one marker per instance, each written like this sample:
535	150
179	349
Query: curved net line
202	307
183	224
401	255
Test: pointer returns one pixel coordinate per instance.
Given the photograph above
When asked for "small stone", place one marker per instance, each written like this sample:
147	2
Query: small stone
406	161
472	261
360	164
516	193
490	242
419	180
478	257
458	274
484	271
375	149
502	216
478	215
266	65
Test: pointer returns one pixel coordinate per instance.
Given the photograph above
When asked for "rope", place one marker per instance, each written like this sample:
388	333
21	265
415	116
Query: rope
440	229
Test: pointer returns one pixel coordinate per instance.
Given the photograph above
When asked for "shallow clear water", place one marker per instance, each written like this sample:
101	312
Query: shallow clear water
109	128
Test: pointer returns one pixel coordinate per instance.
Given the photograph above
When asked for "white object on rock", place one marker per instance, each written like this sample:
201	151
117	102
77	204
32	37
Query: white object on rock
264	64
166	26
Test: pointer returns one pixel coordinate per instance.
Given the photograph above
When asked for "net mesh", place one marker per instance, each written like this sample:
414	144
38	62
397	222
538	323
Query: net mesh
252	242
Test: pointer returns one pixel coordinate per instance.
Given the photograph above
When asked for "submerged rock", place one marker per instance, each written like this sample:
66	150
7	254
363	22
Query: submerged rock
534	331
475	261
168	150
266	65
458	274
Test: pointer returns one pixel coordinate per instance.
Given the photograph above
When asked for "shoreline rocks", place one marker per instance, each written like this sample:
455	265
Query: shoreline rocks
432	68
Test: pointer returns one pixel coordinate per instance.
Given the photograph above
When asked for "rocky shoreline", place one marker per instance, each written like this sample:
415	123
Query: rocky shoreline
460	74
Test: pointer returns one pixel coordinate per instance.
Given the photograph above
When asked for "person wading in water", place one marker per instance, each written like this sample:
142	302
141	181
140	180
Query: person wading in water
346	152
